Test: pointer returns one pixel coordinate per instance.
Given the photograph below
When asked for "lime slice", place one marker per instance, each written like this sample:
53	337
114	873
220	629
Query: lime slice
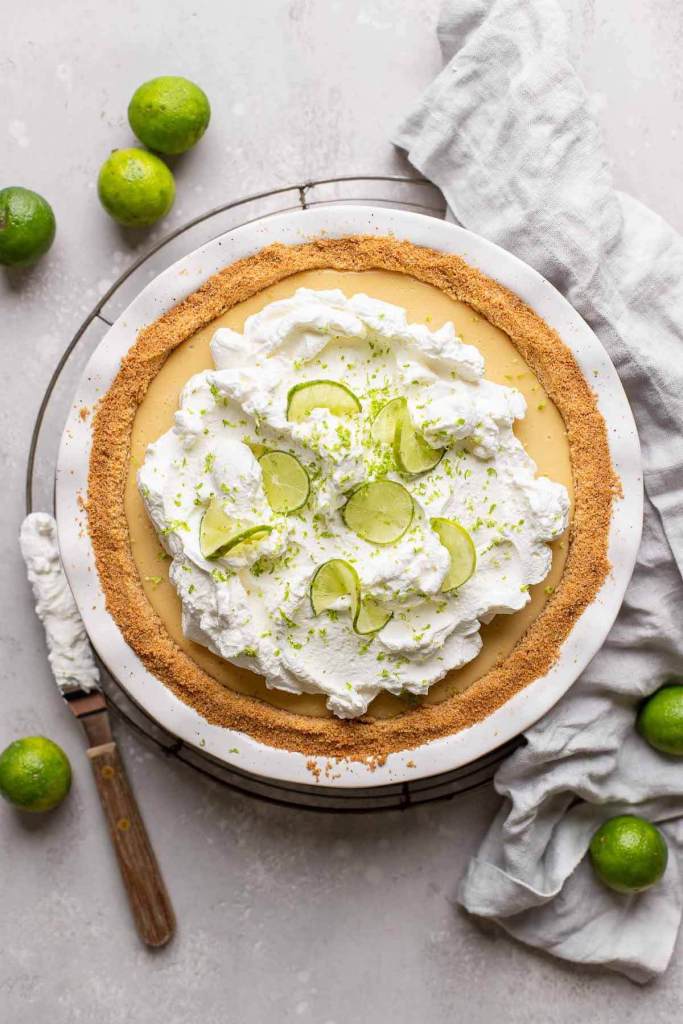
35	774
411	451
628	853
371	617
285	482
459	546
337	578
386	421
332	580
257	449
218	533
380	512
320	394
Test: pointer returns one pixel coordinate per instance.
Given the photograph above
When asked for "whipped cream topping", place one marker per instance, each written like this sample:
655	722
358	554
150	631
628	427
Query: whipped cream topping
69	651
252	606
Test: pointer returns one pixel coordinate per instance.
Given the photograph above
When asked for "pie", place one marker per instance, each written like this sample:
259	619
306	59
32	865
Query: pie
339	501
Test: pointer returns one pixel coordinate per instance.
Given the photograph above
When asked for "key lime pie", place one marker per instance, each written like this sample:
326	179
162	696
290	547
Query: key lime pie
349	496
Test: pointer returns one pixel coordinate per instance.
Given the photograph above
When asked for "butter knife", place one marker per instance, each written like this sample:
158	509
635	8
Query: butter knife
78	680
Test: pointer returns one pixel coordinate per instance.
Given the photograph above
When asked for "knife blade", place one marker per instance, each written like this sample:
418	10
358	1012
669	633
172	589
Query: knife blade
77	676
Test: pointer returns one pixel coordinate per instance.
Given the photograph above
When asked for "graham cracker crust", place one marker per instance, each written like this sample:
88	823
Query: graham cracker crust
595	486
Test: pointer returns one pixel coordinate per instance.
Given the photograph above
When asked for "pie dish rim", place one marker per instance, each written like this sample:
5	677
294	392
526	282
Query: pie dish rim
436	755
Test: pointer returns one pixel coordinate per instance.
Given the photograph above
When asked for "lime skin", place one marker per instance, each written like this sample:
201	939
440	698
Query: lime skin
169	114
136	188
629	854
27	227
660	719
35	774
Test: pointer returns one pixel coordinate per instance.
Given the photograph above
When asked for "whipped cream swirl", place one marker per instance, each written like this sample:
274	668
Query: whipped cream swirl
252	606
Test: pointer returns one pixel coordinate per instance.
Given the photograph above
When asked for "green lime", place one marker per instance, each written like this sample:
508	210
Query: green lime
370	617
285	482
35	774
136	188
629	854
660	720
219	534
460	547
169	114
337	578
27	227
331	581
379	512
320	394
393	425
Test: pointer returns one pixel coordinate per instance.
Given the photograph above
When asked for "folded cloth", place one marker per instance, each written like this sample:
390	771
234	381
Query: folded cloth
506	132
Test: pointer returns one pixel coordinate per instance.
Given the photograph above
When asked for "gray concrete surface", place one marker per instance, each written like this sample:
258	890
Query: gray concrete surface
283	916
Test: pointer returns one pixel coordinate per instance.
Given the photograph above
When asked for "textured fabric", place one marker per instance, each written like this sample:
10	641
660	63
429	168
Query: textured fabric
506	132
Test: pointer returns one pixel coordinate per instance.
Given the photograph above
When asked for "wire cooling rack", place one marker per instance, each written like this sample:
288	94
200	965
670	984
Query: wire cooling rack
376	190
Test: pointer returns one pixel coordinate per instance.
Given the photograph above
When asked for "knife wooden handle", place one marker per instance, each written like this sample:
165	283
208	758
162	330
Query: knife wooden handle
149	900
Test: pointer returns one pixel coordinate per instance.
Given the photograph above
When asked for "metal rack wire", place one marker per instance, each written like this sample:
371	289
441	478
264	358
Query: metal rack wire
378	190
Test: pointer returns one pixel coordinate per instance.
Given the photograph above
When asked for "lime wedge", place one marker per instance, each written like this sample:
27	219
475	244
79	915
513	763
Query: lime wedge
386	421
460	547
285	482
379	512
320	394
337	578
411	451
218	533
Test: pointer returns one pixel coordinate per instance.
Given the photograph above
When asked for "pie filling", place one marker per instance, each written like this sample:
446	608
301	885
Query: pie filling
345	499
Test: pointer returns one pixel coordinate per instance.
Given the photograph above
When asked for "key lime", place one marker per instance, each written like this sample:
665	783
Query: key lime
27	227
660	720
379	512
460	547
35	774
336	579
219	533
136	188
285	482
169	114
386	421
320	394
628	853
412	453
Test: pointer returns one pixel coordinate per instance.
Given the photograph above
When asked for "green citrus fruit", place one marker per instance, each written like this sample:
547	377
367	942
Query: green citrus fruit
169	114
628	853
27	227
35	774
660	720
135	187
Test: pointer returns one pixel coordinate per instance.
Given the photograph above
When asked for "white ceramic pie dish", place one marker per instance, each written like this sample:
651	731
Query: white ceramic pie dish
437	756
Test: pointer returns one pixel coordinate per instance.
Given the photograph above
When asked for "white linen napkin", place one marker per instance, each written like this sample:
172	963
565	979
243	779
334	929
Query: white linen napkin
506	132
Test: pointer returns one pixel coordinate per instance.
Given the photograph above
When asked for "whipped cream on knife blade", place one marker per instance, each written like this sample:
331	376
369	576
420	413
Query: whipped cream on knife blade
69	651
